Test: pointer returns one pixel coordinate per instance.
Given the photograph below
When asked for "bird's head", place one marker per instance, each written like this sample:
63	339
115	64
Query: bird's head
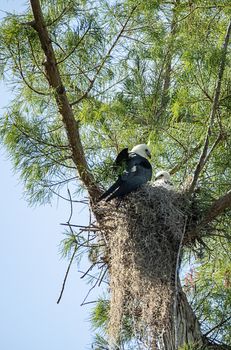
142	150
163	175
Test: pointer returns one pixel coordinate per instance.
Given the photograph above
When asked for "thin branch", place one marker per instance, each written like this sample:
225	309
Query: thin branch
71	213
65	199
75	47
217	326
58	17
104	273
174	138
88	270
85	228
203	157
89	302
58	183
110	87
67	273
46	154
92	276
39	140
168	65
77	246
185	159
217	141
105	59
202	88
94	285
19	67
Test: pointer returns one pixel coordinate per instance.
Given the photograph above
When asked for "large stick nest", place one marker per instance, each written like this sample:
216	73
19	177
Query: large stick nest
143	235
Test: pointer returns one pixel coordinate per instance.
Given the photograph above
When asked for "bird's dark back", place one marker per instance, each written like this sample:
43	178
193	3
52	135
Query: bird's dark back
140	165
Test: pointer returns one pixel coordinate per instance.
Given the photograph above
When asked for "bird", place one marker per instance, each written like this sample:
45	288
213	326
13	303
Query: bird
163	178
137	172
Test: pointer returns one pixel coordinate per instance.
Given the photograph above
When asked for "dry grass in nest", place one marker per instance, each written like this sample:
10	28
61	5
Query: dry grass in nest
143	236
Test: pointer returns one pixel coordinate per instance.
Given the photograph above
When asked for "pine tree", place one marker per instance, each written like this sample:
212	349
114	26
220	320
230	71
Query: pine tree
90	78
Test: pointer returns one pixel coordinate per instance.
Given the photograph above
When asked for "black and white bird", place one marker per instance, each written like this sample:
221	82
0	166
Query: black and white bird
163	178
137	172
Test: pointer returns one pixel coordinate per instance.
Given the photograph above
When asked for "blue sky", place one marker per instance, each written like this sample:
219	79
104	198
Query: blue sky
31	268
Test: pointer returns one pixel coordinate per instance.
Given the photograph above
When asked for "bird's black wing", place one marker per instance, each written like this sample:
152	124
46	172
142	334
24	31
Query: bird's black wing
121	158
119	165
111	189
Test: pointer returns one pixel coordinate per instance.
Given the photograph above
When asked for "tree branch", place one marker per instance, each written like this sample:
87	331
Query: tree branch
185	159
64	107
223	321
104	59
203	158
217	208
75	47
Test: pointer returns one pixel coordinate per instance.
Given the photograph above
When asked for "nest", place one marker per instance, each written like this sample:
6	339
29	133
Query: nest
143	235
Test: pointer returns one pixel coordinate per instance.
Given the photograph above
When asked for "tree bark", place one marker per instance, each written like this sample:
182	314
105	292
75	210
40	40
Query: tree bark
187	330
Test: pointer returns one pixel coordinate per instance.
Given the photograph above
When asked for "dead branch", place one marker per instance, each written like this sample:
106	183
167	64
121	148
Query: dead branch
67	273
74	252
94	285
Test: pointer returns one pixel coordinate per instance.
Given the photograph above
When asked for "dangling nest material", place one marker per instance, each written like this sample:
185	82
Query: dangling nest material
143	236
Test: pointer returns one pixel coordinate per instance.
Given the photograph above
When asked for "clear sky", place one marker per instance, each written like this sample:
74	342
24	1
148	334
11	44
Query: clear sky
31	268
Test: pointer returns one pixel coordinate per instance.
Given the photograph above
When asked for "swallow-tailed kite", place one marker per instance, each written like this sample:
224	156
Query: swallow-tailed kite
163	178
137	172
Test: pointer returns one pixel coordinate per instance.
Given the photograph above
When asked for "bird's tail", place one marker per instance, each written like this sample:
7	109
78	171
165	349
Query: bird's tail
110	190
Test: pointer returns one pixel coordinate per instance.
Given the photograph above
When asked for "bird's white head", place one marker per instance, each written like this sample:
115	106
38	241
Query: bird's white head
163	175
142	150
